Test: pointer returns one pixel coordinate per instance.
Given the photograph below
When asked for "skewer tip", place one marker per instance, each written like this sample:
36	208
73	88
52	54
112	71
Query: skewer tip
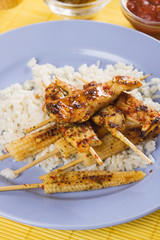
82	80
7	155
142	78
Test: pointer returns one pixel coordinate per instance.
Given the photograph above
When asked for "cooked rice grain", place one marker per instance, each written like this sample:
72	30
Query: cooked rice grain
20	109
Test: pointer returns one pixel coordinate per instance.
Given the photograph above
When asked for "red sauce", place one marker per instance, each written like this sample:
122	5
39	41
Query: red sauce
146	9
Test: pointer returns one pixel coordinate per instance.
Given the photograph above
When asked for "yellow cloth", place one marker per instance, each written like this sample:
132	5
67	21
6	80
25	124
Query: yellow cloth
24	12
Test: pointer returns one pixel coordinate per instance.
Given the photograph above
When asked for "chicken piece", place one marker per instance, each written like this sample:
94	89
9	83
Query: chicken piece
57	90
82	105
101	131
90	84
110	117
88	180
148	118
131	123
66	88
81	136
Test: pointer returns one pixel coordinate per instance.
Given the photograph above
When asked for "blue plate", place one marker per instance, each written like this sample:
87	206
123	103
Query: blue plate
75	43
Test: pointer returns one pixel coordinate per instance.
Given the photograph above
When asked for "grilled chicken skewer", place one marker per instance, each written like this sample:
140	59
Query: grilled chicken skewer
136	105
81	181
80	106
113	119
129	112
136	123
75	135
56	90
148	118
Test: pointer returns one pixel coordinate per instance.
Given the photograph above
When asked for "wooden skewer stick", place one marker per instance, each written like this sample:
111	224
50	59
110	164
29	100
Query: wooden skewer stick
19	187
73	163
95	155
44	85
41	124
26	167
64	167
86	82
35	162
142	78
7	155
121	137
82	80
38	185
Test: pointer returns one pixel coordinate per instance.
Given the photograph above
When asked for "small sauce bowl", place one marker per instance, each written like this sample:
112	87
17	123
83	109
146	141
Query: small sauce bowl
7	4
144	25
76	9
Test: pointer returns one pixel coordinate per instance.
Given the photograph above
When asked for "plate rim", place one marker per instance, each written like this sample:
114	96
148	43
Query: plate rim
69	227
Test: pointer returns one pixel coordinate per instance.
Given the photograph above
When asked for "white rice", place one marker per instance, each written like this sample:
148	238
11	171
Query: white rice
20	109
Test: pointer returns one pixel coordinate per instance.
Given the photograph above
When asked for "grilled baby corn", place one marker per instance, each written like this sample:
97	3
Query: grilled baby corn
65	148
84	181
80	106
77	137
110	146
34	143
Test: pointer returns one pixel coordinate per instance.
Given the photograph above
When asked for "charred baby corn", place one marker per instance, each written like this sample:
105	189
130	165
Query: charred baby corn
88	180
33	143
65	148
110	146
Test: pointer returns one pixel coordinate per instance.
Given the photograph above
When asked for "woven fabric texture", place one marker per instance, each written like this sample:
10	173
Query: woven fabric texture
17	13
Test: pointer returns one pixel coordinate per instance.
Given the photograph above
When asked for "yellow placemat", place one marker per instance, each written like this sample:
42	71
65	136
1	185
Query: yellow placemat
24	12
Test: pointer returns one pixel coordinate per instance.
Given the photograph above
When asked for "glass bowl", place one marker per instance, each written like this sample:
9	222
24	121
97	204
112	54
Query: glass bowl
140	23
68	10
